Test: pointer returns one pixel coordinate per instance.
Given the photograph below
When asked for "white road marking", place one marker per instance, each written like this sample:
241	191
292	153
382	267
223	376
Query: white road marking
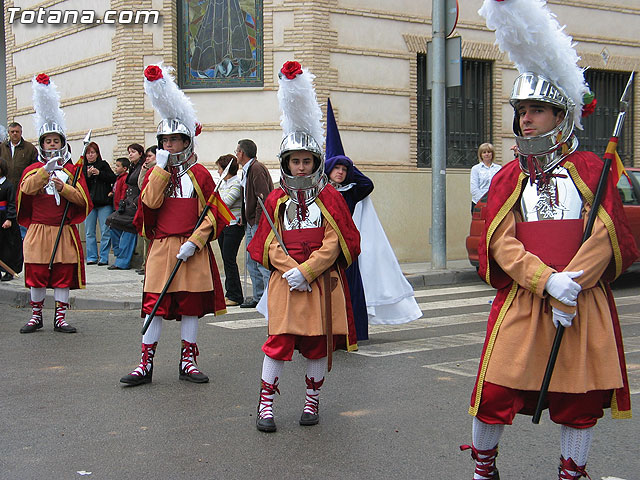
465	368
420	345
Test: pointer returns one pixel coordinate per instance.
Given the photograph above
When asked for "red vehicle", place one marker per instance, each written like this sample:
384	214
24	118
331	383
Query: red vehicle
629	193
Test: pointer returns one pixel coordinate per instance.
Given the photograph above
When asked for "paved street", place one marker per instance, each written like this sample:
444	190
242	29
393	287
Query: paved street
397	408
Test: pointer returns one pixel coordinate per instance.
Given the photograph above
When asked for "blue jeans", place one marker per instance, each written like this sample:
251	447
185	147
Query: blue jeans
124	243
259	275
98	214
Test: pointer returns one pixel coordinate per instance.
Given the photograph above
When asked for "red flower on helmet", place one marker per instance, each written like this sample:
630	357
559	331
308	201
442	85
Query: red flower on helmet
291	70
153	72
43	78
589	108
198	129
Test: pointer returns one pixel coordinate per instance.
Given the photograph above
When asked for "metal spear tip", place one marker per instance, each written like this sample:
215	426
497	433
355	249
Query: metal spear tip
87	138
626	95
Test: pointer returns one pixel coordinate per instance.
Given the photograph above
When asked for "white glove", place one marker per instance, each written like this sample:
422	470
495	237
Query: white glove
186	250
52	165
561	286
296	280
562	318
162	157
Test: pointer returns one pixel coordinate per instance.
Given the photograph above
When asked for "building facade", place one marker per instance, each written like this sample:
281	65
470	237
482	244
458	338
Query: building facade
369	57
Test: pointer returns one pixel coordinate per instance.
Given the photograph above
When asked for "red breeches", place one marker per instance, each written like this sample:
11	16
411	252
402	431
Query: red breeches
61	275
281	347
176	304
499	405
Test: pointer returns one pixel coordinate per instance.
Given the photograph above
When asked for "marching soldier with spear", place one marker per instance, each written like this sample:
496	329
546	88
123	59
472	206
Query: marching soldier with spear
551	268
52	200
180	213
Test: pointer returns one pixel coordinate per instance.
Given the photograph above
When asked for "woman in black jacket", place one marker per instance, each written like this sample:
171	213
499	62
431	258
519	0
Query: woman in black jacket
100	180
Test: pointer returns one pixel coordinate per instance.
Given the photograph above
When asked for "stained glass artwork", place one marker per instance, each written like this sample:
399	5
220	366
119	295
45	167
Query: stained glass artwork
220	43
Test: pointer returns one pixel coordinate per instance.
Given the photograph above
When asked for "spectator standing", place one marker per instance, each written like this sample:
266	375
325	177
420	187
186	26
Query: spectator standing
231	237
123	231
256	182
149	163
10	241
100	179
19	155
482	173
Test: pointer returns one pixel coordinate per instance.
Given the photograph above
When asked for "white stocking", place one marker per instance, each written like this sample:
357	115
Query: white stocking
152	335
61	295
189	328
271	369
38	294
575	443
316	368
485	436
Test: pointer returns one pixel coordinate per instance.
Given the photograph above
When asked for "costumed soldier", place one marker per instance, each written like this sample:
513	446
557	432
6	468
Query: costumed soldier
174	194
45	188
532	253
307	309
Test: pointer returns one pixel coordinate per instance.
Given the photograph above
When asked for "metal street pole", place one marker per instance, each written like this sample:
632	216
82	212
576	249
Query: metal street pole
438	140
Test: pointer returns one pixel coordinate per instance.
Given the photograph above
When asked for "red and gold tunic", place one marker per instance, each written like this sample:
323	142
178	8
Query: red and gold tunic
332	248
38	211
520	331
169	222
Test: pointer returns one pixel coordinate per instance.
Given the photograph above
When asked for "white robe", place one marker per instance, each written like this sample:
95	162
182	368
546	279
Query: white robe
390	298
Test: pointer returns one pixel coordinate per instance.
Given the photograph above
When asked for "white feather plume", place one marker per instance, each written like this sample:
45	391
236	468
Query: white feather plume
169	101
299	106
46	102
529	32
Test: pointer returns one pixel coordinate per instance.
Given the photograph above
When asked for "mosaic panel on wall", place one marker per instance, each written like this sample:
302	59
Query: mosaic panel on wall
220	43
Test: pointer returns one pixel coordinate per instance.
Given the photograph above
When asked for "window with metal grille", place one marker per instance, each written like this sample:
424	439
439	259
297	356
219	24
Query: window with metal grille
598	127
468	114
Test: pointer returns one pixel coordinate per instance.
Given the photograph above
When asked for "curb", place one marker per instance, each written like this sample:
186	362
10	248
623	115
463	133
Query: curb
443	277
84	299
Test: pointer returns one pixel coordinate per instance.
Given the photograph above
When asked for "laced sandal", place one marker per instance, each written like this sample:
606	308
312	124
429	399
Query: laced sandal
310	412
264	418
485	461
59	323
188	369
36	318
143	373
568	470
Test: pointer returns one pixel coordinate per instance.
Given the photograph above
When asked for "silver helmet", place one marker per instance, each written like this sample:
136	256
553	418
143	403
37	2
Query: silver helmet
551	147
63	151
175	126
310	185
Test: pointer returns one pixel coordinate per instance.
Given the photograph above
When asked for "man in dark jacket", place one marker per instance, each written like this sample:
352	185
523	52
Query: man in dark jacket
19	155
256	182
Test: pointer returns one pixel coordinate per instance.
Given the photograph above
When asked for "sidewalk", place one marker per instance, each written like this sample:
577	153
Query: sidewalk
122	289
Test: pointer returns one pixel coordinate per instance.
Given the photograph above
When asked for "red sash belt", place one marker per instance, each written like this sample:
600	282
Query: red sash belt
177	216
301	243
3	205
555	242
45	211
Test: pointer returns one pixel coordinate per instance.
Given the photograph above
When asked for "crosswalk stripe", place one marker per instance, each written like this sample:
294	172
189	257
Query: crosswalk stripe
462	302
432	292
432	322
465	368
420	345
